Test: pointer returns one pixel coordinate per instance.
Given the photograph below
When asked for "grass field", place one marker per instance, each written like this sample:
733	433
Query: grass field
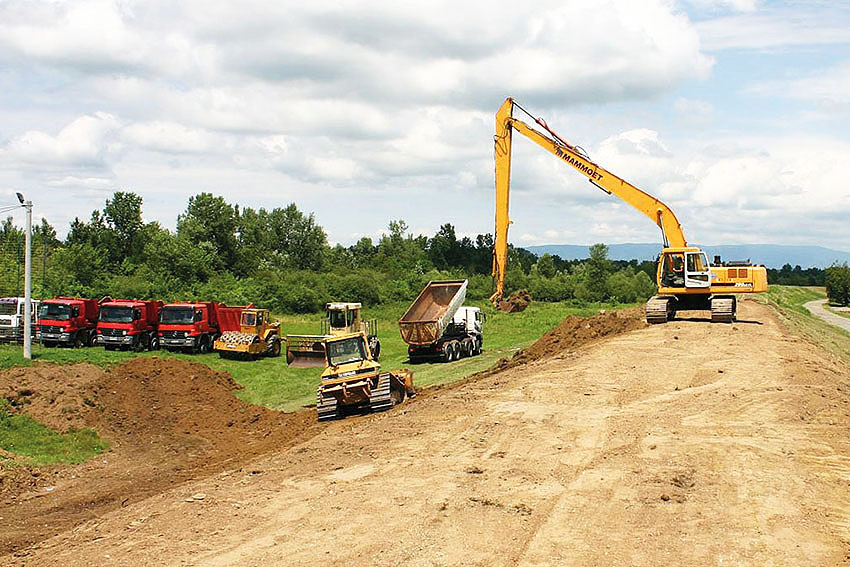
39	445
270	382
789	301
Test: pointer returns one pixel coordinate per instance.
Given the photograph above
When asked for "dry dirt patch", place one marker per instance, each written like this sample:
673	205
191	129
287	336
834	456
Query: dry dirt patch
167	421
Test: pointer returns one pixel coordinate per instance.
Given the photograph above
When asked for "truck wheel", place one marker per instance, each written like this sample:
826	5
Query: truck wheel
153	343
204	346
92	340
78	340
451	351
273	348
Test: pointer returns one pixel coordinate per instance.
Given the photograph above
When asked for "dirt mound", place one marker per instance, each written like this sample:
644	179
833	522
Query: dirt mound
166	421
516	302
576	331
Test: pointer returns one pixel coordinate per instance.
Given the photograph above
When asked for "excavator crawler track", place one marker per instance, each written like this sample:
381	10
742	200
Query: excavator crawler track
327	407
381	398
658	309
723	309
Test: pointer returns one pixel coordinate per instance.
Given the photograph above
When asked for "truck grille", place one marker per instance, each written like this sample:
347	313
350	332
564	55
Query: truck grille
112	332
173	334
51	329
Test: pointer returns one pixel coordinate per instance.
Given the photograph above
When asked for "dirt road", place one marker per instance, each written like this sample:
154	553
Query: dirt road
682	444
817	307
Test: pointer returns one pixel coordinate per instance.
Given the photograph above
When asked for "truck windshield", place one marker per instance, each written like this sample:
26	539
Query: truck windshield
177	315
337	319
115	314
345	351
55	311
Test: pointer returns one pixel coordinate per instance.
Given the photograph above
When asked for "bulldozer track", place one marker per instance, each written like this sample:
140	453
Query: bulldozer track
657	309
381	398
722	309
326	407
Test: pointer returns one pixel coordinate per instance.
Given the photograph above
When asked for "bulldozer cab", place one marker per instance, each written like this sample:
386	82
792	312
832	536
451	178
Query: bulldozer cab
347	355
342	318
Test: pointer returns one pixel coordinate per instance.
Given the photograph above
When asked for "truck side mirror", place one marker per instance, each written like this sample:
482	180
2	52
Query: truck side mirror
199	316
75	311
137	314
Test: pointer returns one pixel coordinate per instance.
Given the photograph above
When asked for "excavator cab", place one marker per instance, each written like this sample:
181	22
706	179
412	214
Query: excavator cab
689	269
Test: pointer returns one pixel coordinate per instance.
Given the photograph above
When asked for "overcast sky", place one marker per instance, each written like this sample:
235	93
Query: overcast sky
734	112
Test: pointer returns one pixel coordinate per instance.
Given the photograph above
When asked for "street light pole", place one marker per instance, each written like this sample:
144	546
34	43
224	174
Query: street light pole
27	280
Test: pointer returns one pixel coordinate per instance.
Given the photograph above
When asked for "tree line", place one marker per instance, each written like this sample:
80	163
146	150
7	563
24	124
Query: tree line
280	258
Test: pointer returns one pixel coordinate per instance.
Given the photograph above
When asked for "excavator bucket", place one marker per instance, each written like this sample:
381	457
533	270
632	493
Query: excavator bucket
306	351
517	302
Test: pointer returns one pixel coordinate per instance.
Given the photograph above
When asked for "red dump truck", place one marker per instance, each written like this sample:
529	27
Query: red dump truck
129	324
195	326
68	321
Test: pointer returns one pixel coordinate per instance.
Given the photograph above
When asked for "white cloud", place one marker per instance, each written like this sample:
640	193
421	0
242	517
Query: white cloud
779	28
168	137
88	141
719	5
828	89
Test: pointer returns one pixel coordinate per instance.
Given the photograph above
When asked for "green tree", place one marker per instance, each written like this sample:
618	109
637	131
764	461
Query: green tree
546	266
838	284
210	223
594	286
123	216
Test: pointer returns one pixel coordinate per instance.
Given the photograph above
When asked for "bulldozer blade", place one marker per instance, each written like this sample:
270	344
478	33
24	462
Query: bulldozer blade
305	351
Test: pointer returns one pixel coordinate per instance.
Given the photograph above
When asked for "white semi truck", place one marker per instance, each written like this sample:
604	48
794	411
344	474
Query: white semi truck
12	320
438	326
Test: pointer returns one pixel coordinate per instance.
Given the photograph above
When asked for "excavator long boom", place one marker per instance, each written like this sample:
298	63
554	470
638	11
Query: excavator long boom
661	214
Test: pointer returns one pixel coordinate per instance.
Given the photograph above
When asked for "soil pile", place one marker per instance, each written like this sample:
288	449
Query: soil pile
516	302
576	331
166	421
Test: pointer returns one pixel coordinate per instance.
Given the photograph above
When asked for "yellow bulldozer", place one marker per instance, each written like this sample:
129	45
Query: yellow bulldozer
258	336
308	351
352	381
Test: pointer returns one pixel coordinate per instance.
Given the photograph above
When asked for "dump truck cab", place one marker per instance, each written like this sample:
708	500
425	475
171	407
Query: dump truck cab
129	324
69	321
352	379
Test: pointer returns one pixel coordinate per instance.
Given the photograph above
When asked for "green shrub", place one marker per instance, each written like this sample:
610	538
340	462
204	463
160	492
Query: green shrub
838	285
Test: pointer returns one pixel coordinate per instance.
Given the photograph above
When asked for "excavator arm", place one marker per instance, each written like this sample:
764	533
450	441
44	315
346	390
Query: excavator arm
657	211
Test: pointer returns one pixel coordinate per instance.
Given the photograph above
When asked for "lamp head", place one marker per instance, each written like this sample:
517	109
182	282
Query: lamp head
20	197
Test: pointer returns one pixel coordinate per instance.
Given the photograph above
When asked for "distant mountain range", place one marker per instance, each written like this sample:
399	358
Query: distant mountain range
770	255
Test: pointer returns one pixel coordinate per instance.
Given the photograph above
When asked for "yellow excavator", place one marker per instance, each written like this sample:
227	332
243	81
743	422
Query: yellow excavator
684	276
